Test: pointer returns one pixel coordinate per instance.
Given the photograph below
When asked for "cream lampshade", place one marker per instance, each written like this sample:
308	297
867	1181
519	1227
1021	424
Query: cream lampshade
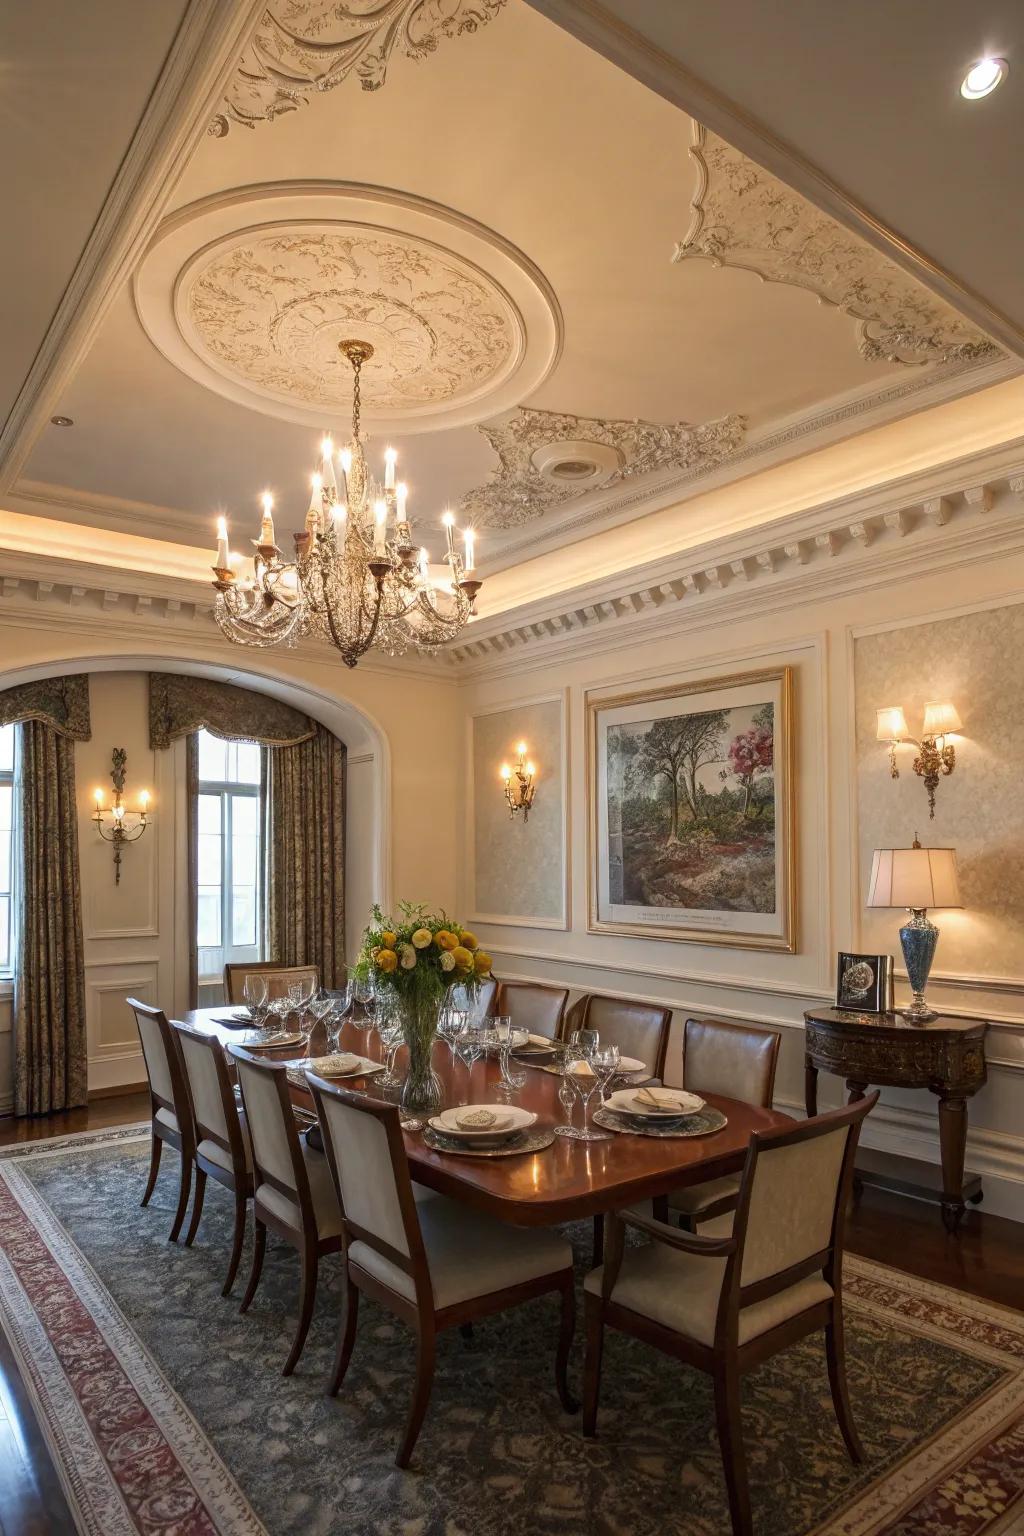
940	719
892	724
917	878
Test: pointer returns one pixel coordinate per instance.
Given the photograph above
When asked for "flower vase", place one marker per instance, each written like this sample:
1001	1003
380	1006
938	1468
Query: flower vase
421	1091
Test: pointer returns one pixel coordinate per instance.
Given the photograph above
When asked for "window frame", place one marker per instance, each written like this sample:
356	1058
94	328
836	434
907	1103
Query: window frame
226	790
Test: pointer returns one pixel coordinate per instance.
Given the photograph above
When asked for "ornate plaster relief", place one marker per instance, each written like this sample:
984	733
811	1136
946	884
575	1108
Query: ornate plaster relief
744	217
304	46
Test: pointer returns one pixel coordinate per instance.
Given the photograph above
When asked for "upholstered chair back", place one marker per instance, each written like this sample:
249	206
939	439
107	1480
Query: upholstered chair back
275	1141
480	1006
279	978
155	1035
795	1183
735	1060
367	1157
638	1029
209	1082
532	1006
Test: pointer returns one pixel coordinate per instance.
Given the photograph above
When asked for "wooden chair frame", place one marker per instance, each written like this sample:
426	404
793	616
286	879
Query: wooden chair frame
305	1237
422	1315
504	987
726	1360
238	1178
577	1016
180	1106
263	967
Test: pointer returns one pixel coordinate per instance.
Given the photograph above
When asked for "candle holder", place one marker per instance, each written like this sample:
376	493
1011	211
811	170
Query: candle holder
113	823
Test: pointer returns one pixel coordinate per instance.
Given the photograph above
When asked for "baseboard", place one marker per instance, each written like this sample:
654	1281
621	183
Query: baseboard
117	1090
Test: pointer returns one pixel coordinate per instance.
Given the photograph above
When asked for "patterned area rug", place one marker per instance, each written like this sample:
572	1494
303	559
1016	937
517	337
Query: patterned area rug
167	1414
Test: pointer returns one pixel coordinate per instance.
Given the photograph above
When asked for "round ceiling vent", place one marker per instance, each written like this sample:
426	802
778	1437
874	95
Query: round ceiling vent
579	463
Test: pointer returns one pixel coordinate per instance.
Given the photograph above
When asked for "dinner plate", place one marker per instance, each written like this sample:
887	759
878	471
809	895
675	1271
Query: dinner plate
629	1064
509	1121
493	1040
683	1103
344	1064
275	1042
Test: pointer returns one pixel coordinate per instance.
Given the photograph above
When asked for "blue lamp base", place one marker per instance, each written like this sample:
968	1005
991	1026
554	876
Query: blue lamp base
918	938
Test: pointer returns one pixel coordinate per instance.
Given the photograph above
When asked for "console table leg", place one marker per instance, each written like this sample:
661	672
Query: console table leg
953	1146
810	1088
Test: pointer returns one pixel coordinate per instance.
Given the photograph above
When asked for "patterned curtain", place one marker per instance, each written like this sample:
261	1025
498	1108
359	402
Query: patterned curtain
63	702
180	705
307	855
50	1055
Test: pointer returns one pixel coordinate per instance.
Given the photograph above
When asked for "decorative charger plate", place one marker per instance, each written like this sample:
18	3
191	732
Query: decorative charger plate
324	1066
529	1141
705	1123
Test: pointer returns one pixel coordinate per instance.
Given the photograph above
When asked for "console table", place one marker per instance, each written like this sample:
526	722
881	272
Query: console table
884	1050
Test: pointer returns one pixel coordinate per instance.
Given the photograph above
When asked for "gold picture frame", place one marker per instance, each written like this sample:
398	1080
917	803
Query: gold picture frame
737	692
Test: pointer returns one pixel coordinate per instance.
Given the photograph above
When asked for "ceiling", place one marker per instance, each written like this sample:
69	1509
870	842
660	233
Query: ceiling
583	306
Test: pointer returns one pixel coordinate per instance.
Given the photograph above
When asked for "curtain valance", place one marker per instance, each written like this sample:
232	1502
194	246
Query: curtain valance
61	702
180	705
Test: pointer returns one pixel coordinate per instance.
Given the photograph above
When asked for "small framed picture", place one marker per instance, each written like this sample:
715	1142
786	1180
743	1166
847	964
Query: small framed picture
864	983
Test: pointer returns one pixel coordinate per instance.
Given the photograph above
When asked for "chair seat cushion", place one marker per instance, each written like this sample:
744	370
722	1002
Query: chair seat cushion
469	1254
680	1291
321	1188
168	1119
698	1197
216	1154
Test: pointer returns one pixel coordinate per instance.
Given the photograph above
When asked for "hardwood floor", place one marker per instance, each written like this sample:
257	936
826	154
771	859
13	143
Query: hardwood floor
986	1259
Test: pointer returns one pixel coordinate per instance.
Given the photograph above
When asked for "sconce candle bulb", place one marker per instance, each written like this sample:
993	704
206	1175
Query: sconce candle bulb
119	826
520	787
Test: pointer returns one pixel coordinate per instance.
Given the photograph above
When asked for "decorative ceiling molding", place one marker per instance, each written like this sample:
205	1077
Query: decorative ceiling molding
530	479
303	46
744	217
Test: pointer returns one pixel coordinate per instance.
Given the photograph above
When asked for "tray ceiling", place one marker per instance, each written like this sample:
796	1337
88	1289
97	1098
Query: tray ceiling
514	223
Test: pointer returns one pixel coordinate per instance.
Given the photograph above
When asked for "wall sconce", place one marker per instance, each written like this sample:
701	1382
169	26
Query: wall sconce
935	755
113	824
519	785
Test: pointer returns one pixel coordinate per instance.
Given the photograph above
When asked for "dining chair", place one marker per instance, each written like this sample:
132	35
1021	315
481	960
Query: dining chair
435	1264
532	1006
293	1193
725	1304
738	1061
639	1030
222	1143
279	977
480	1005
170	1104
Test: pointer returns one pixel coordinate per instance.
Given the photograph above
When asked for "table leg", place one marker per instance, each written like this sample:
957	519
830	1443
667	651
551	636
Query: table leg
810	1088
856	1090
953	1146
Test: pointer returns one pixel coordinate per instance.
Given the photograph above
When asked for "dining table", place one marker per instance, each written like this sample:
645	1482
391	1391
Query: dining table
566	1181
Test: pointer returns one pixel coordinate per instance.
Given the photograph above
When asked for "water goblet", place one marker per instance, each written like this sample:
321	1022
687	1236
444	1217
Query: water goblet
511	1078
605	1062
566	1097
389	1027
581	1074
585	1039
470	1046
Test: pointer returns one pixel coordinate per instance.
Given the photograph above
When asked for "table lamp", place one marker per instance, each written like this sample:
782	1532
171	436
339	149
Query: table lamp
915	878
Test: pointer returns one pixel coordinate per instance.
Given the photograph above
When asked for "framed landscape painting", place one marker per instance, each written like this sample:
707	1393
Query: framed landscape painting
691	816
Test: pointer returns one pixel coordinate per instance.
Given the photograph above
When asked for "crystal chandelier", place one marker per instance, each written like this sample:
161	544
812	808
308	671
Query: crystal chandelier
356	580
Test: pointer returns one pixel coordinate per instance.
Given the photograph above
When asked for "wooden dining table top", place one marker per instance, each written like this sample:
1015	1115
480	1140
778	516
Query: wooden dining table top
569	1179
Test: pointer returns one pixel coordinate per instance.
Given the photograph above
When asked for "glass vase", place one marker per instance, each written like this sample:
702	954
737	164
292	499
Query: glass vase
421	1090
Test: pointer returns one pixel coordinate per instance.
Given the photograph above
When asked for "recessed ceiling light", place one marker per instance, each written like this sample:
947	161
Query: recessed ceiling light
61	421
983	77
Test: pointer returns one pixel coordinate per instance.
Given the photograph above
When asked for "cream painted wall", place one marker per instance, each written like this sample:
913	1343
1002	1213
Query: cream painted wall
404	742
817	639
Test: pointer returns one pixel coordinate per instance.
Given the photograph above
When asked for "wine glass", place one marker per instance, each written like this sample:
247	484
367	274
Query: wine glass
586	1039
389	1027
470	1046
567	1098
450	1025
605	1062
364	1002
320	1006
511	1079
581	1074
254	990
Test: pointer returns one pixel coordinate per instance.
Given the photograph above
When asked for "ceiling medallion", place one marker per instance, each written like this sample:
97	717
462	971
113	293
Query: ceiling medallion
744	217
546	458
303	46
356	581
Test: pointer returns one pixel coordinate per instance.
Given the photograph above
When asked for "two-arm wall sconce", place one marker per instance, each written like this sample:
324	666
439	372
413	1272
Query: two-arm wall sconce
116	824
935	755
519	785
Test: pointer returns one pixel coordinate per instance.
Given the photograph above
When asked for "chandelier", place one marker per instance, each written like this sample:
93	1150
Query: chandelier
357	580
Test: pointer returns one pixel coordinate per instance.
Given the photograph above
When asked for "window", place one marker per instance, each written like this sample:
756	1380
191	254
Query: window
8	753
229	864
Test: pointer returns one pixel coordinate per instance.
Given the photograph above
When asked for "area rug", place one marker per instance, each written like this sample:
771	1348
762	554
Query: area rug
167	1415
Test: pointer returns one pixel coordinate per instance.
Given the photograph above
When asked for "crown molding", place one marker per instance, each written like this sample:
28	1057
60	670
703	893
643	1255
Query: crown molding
38	498
201	60
966	511
594	25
